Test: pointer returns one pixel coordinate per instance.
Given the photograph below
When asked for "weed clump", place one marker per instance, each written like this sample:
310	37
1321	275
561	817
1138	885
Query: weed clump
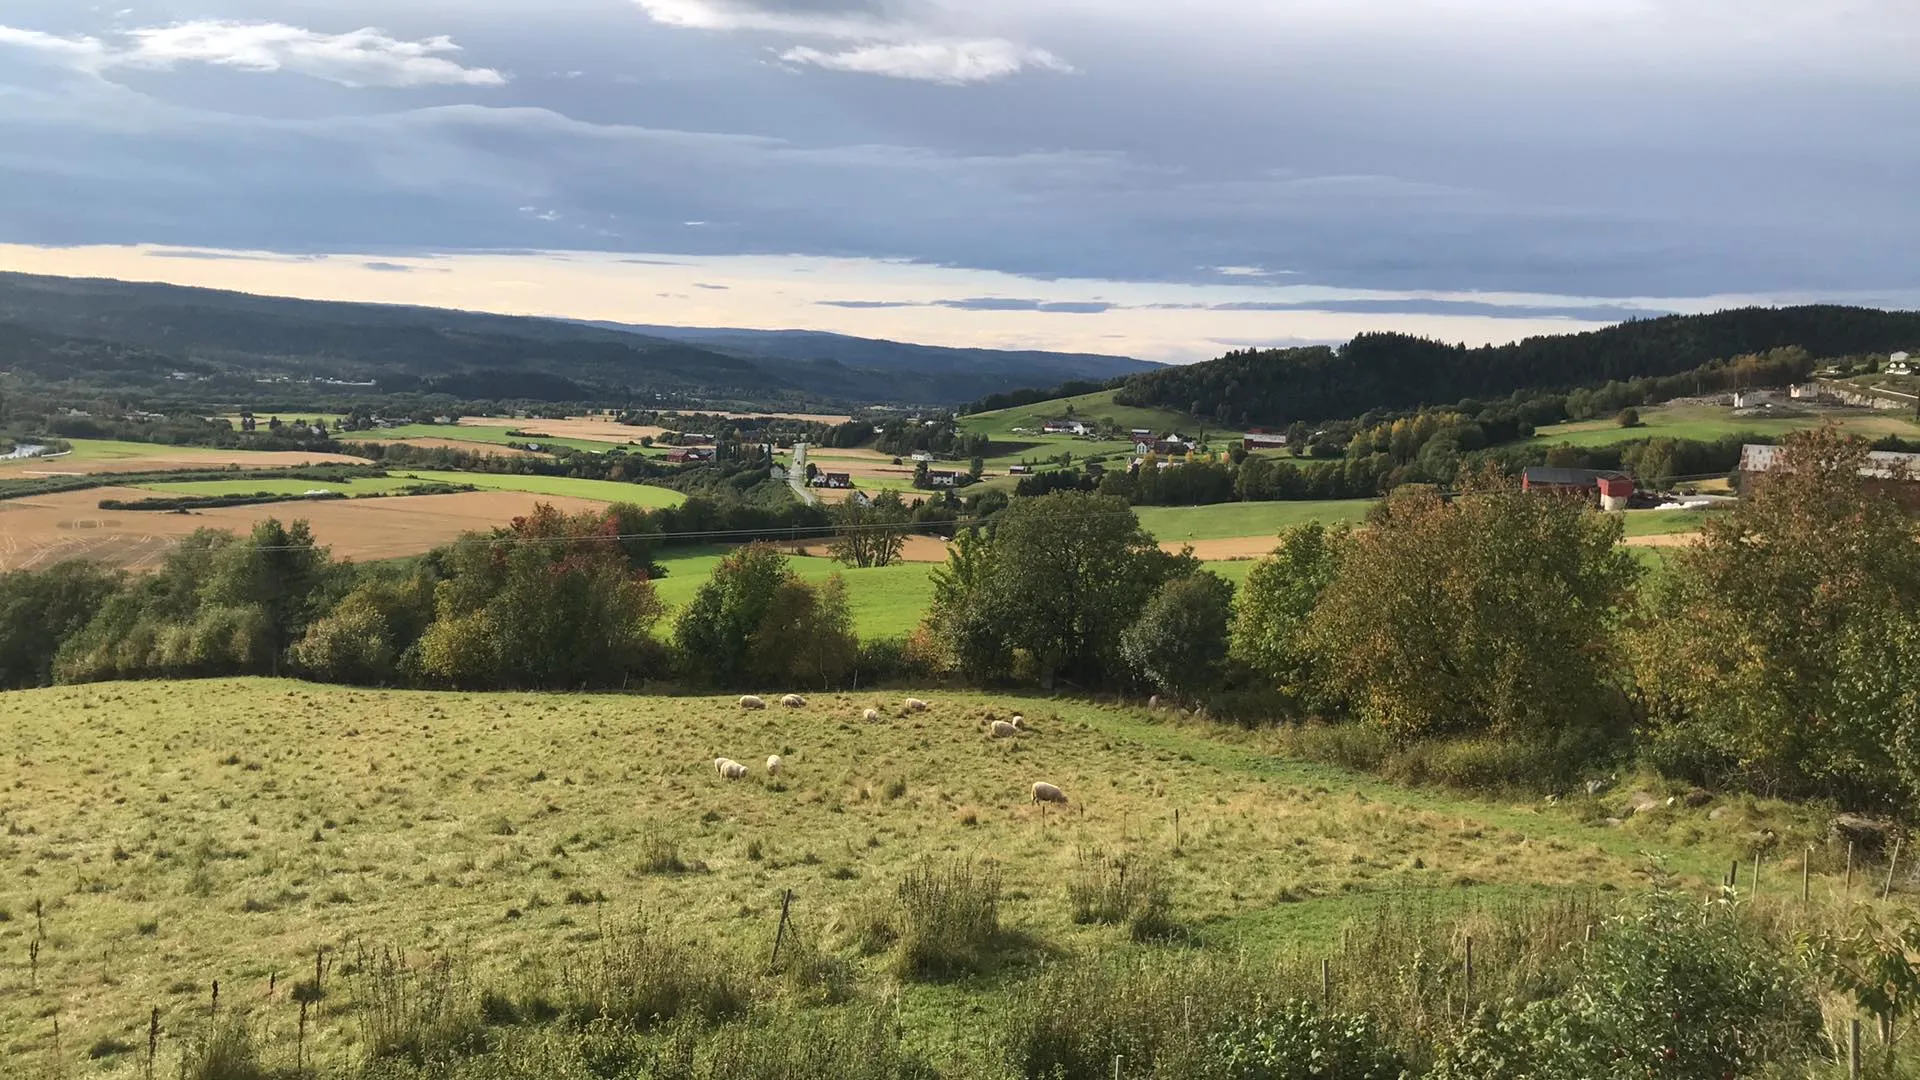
1116	890
640	976
946	921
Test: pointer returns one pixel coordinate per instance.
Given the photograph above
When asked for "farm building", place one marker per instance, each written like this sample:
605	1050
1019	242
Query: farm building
681	455
1752	399
1141	434
1612	488
922	455
837	480
943	478
1259	440
1900	364
1894	474
1172	444
1019	470
1064	427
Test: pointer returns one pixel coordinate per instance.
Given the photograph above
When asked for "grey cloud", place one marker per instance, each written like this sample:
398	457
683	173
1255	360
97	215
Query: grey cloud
388	267
704	285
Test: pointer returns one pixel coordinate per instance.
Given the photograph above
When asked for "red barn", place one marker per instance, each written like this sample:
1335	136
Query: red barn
1612	488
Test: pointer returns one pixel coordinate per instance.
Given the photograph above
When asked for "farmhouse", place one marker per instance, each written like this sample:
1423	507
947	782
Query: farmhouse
1885	472
838	480
1752	399
1172	444
685	454
1141	434
922	455
1900	364
1260	440
943	478
1064	427
1612	488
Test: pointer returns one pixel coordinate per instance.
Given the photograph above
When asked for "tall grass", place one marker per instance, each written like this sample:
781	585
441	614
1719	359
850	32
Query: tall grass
946	920
1118	889
639	976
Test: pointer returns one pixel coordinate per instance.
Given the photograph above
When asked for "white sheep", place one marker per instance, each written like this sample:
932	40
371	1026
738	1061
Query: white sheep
751	702
1001	729
914	704
729	769
794	701
1044	792
1153	702
773	765
871	715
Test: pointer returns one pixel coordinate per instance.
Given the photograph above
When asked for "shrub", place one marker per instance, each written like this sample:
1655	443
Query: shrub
1298	1042
1678	990
1628	418
946	921
1114	889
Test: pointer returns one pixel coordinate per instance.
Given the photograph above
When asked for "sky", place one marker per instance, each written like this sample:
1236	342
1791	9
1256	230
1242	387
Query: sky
1159	180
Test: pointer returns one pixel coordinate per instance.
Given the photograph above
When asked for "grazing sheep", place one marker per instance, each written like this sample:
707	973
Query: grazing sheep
773	765
914	704
729	769
1001	729
751	702
1044	792
793	701
1153	702
871	715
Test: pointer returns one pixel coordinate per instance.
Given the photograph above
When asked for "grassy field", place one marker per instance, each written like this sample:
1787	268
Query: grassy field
1093	407
1663	522
886	601
481	435
1223	521
604	490
160	836
1706	423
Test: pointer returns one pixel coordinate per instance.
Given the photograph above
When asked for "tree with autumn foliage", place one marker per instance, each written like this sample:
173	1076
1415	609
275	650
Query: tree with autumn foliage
1493	612
1781	652
551	601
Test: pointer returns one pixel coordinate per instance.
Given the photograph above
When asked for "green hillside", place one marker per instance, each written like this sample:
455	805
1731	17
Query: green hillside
1092	407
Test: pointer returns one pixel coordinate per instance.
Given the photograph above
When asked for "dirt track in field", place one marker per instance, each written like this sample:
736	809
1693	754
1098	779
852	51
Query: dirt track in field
36	532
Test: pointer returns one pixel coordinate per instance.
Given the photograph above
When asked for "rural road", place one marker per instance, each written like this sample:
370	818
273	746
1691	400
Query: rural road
797	475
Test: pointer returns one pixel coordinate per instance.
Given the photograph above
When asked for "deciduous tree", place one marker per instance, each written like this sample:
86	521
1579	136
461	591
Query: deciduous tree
1782	650
1492	612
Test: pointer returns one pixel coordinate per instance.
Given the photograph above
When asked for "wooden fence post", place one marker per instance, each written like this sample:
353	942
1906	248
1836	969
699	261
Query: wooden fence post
1891	865
1847	893
1466	1004
1853	1050
780	932
1326	984
1753	890
1806	868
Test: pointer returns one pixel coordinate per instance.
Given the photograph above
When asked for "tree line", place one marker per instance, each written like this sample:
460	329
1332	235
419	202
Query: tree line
1277	386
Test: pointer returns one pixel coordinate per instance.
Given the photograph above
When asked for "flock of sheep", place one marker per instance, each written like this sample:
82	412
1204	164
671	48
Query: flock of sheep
730	769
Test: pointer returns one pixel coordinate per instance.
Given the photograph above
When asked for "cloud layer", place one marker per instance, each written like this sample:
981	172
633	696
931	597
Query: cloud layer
364	57
1466	167
901	40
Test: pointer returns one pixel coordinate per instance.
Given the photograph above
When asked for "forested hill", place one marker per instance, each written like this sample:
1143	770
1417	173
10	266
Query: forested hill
1392	371
115	336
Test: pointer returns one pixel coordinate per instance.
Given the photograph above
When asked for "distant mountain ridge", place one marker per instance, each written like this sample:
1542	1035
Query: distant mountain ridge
880	354
106	335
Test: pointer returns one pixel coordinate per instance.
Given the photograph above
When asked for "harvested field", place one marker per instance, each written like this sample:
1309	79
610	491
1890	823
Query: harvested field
1661	540
47	529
